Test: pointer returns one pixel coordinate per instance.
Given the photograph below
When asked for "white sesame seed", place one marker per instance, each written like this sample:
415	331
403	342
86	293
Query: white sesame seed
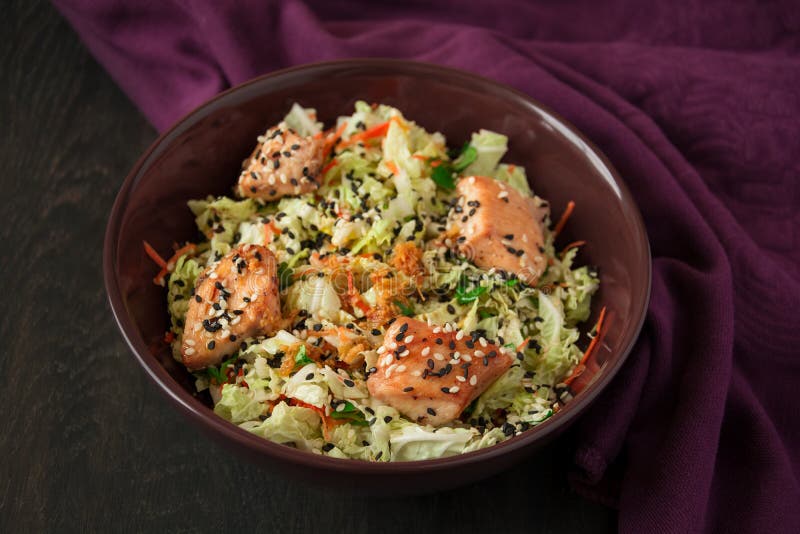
381	349
479	354
213	275
459	335
340	407
461	378
438	356
426	351
471	180
390	370
482	341
473	380
454	389
392	345
437	329
190	342
271	179
456	355
408	339
400	368
189	351
416	373
211	311
466	357
404	353
225	333
502	194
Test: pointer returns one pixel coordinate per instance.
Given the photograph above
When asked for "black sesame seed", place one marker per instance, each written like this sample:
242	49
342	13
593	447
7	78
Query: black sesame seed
509	236
349	383
310	376
387	419
438	341
376	332
327	447
211	344
409	388
198	298
431	411
451	309
445	390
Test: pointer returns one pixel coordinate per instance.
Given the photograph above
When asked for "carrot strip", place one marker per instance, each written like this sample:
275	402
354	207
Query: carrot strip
522	345
154	255
331	142
420	157
563	220
329	166
592	344
169	265
376	131
574	244
392	167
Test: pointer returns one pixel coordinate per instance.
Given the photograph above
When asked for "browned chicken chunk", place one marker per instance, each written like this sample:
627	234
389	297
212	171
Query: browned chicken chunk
234	299
430	374
496	226
283	163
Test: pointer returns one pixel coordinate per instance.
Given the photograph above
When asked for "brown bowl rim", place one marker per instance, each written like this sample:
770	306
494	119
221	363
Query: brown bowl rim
198	412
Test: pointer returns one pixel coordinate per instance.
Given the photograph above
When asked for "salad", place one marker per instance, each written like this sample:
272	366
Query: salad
368	293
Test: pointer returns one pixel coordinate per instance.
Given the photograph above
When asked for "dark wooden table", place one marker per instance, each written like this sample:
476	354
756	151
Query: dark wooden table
88	443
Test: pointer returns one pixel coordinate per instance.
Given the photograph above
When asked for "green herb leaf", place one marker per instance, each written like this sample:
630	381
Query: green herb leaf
443	176
465	159
406	310
221	374
512	282
350	414
465	297
285	274
301	358
483	313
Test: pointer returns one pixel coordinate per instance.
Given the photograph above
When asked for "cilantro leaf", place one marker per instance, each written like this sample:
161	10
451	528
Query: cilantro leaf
350	414
443	176
301	358
285	274
406	310
465	159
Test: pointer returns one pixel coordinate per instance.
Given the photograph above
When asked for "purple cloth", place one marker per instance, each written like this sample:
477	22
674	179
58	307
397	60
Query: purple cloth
697	103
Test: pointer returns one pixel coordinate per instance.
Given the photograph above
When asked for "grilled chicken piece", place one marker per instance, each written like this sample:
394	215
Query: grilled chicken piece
430	374
234	299
498	227
283	163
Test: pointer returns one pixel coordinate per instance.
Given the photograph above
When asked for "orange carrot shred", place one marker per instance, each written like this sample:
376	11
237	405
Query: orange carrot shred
376	131
574	244
154	255
329	166
592	344
392	167
563	220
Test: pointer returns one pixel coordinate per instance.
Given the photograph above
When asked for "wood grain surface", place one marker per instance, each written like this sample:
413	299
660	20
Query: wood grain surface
88	443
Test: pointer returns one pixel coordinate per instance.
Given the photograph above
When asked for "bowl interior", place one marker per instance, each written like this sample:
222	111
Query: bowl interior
202	155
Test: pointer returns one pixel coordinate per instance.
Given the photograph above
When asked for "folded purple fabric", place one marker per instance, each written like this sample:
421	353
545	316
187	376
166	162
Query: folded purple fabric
697	103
